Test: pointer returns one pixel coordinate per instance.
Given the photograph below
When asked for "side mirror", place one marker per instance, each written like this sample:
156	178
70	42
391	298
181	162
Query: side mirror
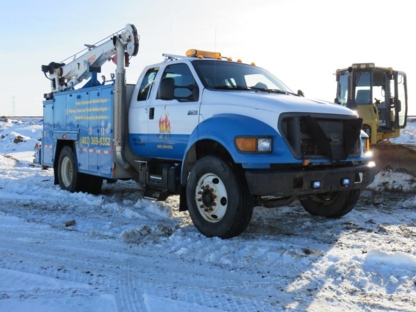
182	92
188	93
300	93
398	106
166	89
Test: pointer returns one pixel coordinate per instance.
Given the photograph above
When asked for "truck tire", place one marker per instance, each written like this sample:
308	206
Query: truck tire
218	200
330	205
68	175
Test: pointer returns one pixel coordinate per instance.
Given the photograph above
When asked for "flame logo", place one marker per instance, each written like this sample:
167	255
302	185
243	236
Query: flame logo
164	123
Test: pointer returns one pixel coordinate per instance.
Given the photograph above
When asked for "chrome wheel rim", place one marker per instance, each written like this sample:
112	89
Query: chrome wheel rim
211	198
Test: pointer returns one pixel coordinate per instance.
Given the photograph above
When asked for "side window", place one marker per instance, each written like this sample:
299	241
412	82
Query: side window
401	105
342	89
363	87
178	83
146	84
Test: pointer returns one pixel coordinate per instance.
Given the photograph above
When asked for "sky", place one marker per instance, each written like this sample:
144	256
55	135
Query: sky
301	42
65	252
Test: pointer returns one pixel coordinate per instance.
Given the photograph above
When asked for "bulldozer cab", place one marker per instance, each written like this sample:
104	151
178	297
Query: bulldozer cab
378	94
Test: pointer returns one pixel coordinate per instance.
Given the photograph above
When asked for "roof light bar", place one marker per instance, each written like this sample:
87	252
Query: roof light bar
202	54
363	65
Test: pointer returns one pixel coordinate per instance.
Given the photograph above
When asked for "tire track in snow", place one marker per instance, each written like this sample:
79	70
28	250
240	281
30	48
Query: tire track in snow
111	267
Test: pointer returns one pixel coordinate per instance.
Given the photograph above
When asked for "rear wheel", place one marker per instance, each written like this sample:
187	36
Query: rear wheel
68	175
71	180
332	204
218	201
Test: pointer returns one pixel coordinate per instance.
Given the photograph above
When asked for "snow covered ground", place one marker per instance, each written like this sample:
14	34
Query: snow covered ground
119	252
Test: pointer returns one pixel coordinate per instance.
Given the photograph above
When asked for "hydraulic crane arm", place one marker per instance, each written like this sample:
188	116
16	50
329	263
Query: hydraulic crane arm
66	76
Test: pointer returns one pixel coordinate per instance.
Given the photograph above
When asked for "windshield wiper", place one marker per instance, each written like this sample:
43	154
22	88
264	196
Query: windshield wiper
283	92
231	88
260	89
225	87
269	90
277	91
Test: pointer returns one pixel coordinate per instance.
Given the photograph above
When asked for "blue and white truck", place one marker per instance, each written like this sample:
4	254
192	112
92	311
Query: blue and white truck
223	135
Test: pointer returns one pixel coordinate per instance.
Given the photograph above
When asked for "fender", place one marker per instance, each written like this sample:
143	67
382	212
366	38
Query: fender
223	128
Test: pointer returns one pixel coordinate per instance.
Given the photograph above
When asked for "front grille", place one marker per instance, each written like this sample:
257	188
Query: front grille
316	136
309	147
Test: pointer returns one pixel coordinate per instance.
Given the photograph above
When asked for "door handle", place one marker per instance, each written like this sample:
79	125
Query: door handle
152	113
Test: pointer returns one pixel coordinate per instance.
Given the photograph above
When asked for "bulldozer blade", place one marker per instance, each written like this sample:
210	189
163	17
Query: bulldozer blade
395	157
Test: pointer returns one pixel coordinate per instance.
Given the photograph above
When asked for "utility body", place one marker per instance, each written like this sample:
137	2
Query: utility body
223	135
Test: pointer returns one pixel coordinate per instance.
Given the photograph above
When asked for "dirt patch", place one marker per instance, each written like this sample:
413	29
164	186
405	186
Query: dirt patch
18	139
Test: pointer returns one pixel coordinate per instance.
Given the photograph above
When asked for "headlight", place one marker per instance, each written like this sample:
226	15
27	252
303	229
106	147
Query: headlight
264	145
254	144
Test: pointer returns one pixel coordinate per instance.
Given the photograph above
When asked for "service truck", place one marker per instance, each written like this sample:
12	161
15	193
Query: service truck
223	135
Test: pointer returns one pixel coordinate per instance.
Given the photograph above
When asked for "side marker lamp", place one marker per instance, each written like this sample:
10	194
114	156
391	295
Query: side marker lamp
365	143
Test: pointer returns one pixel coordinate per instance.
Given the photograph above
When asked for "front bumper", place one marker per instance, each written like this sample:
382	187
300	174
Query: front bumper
293	182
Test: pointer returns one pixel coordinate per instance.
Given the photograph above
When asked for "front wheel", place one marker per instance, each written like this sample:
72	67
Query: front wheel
332	204
218	200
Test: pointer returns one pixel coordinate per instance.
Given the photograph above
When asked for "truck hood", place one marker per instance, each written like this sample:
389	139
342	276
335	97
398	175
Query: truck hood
277	103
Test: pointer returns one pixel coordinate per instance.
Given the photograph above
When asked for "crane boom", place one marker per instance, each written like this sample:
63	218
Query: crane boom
64	76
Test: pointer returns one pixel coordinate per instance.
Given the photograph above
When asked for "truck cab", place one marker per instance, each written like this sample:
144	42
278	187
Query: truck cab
280	144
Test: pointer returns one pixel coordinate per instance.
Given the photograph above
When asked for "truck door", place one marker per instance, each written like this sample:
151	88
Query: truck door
139	113
164	114
173	113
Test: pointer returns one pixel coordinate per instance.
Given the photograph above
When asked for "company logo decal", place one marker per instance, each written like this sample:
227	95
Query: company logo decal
164	124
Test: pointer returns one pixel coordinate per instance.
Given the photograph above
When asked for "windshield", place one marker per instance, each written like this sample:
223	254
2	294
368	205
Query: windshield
222	75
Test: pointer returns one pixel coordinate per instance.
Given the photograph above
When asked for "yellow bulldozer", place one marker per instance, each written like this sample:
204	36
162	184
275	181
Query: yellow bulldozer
379	95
